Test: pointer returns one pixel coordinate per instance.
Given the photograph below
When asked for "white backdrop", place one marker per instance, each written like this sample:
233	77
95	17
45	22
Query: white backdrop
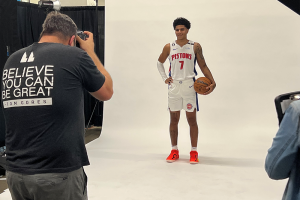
250	46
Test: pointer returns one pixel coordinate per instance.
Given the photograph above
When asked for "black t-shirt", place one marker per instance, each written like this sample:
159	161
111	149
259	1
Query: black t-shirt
42	96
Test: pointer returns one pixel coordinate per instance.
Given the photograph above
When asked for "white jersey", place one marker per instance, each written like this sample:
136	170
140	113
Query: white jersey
182	61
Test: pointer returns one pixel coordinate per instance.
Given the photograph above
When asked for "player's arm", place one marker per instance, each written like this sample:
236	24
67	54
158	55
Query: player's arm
202	64
106	91
160	64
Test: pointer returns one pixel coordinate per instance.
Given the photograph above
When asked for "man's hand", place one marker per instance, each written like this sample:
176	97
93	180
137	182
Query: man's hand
211	88
169	80
88	44
106	91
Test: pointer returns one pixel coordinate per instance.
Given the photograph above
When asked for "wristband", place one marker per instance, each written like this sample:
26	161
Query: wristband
161	69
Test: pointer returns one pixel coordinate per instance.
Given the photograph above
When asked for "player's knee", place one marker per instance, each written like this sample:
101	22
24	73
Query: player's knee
193	123
174	119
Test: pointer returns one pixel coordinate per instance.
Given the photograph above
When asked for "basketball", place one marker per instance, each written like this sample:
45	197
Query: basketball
201	84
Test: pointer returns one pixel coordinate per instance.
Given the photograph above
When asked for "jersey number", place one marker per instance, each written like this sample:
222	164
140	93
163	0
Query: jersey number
181	67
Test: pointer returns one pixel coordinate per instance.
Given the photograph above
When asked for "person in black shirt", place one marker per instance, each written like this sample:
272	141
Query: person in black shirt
43	103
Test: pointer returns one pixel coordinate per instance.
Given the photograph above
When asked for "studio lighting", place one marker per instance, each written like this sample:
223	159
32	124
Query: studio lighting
50	5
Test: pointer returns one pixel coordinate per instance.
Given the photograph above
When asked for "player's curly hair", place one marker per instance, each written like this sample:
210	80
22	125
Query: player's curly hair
182	21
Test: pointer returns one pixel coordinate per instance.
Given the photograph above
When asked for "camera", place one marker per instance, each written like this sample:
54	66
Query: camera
283	101
82	35
50	5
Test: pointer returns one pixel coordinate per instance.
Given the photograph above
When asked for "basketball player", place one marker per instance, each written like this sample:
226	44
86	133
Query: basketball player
183	54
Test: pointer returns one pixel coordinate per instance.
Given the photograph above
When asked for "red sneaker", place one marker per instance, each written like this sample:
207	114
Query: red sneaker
174	155
194	157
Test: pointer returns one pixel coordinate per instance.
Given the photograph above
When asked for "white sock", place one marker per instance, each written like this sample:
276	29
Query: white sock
194	148
174	147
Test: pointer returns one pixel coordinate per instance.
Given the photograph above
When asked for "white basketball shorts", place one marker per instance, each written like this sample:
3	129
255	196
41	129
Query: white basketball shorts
182	96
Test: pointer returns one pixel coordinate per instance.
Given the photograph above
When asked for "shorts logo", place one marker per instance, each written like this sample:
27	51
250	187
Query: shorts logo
189	106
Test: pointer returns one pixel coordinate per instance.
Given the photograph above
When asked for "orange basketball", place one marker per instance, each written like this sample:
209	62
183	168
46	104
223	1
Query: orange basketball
201	84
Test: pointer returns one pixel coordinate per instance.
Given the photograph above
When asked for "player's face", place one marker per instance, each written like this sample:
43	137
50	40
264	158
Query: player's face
181	32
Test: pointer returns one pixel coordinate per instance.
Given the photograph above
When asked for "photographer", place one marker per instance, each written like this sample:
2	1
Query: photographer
42	95
283	159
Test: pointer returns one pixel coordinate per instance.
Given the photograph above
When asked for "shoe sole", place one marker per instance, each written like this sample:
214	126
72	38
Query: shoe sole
193	162
171	161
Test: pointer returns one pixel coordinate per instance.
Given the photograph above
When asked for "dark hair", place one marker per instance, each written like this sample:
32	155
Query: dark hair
59	24
181	21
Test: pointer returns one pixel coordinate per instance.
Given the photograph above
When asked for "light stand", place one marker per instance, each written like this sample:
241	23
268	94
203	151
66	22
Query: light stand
50	5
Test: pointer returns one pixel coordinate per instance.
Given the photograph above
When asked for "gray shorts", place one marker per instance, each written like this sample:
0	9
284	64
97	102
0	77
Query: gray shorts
48	186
